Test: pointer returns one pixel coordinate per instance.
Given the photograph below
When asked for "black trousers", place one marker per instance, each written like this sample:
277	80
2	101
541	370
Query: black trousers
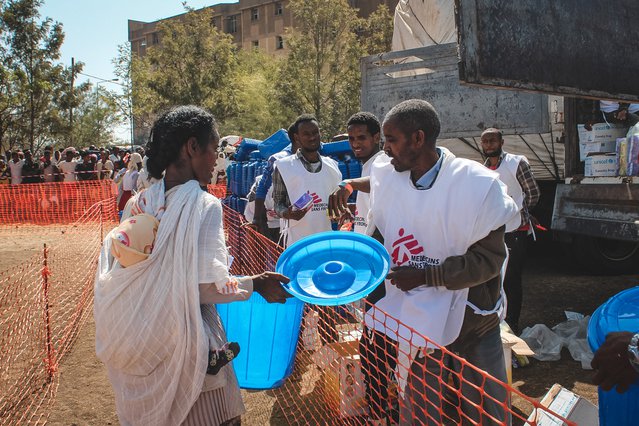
516	242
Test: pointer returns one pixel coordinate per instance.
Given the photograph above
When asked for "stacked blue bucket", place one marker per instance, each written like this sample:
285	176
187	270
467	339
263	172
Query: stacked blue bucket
619	313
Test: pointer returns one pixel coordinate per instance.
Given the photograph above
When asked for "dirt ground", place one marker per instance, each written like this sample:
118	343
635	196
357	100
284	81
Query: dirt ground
85	396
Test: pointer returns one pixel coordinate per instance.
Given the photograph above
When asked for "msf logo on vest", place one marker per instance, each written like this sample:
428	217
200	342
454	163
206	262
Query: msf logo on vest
405	247
318	204
407	250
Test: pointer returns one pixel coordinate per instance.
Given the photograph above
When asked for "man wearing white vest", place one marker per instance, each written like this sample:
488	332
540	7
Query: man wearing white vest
364	134
442	219
514	171
304	172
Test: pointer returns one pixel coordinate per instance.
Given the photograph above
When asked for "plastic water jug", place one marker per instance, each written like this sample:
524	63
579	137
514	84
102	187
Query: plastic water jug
267	334
274	143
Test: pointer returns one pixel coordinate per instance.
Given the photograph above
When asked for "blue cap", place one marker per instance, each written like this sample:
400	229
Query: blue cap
333	268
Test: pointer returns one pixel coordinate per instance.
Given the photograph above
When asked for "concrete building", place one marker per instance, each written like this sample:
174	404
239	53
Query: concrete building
252	23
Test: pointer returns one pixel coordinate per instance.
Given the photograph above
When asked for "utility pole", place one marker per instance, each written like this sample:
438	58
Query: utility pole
71	100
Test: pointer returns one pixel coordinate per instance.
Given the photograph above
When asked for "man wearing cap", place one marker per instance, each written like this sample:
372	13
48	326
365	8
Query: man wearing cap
514	171
15	167
442	219
304	174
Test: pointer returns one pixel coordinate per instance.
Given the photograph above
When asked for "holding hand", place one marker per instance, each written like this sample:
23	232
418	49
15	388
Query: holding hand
406	278
611	364
338	202
268	285
295	214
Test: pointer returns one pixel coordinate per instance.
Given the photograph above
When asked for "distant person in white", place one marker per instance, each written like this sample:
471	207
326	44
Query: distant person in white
15	166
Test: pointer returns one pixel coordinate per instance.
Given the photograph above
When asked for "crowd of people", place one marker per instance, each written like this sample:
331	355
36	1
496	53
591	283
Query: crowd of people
124	166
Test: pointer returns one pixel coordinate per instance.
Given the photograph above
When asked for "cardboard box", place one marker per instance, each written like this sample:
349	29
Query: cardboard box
310	333
511	343
349	332
342	378
586	149
600	164
602	138
568	405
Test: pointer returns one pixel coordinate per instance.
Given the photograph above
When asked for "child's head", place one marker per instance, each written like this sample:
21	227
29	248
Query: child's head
132	241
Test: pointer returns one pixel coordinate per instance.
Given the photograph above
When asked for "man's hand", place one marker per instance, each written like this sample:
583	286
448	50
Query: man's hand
611	364
406	278
621	115
293	214
268	285
338	202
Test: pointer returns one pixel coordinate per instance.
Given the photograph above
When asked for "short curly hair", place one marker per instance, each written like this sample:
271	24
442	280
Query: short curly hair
367	119
293	128
413	115
171	131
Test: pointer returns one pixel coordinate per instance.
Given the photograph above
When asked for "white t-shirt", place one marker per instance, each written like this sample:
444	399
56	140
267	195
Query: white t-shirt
108	167
130	180
68	168
16	171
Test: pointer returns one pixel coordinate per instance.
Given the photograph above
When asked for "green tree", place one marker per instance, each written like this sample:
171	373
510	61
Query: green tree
194	64
96	117
123	100
376	32
33	47
321	74
259	113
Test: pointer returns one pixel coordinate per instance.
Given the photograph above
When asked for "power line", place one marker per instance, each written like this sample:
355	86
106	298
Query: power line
114	80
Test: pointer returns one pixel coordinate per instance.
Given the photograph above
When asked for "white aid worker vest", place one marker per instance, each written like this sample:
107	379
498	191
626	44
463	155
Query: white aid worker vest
319	185
362	203
422	228
507	172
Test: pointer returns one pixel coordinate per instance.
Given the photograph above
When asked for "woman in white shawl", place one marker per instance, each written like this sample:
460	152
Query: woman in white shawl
155	320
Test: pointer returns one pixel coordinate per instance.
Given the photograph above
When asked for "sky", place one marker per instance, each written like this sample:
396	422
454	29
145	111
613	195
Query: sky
94	29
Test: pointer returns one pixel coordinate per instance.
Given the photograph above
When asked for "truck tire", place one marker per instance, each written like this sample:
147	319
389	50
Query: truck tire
603	256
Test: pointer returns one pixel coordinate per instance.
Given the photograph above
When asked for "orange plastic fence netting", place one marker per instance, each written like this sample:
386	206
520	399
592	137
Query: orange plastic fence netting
53	203
344	374
46	294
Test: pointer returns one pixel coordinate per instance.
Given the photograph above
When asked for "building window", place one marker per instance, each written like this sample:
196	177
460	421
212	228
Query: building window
279	42
255	43
279	9
255	14
214	22
155	39
232	24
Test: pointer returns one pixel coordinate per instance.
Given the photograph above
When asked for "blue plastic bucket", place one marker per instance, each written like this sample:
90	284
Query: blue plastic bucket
619	313
267	334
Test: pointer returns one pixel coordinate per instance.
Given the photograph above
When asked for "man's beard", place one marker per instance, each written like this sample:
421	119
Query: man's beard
493	154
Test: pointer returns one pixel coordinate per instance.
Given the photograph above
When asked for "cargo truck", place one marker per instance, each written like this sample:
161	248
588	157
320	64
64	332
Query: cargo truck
538	105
